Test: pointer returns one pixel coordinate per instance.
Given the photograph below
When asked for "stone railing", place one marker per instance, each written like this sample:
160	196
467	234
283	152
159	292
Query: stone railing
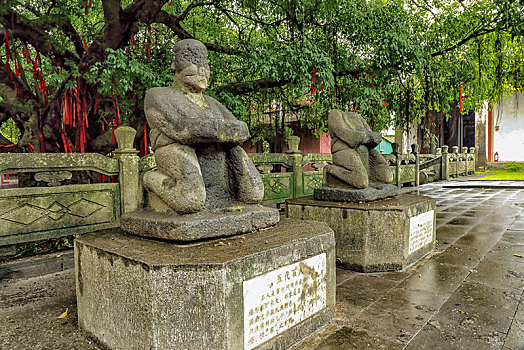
58	207
53	209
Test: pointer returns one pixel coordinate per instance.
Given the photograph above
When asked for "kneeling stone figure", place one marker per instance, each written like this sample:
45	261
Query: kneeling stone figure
196	141
356	162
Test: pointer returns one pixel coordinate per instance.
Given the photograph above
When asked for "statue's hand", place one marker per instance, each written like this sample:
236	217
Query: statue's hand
233	131
376	138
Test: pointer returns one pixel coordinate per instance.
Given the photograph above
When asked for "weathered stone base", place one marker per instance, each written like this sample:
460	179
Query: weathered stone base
370	194
136	293
374	236
207	224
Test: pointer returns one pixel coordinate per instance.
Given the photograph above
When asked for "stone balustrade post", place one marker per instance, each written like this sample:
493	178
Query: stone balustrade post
397	163
473	158
414	150
465	158
295	160
444	168
457	160
128	175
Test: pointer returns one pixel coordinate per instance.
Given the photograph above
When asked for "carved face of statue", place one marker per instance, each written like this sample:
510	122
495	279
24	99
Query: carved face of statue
190	65
193	78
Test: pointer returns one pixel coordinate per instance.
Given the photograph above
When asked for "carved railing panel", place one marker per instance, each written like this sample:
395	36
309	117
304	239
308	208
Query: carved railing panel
277	186
58	211
312	180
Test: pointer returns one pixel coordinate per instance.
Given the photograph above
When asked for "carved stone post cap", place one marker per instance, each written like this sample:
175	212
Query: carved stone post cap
464	150
455	149
125	136
395	148
445	149
472	150
292	143
439	150
414	148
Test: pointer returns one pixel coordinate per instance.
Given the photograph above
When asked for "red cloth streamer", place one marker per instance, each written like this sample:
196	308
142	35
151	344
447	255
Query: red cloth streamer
85	44
145	139
65	144
149	43
42	145
31	148
118	112
27	56
7	47
96	101
113	129
460	96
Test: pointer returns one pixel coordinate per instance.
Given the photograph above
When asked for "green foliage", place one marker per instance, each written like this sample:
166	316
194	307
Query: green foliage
383	58
9	130
513	166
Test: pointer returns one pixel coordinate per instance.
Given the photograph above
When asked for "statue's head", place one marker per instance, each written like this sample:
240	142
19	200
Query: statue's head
190	65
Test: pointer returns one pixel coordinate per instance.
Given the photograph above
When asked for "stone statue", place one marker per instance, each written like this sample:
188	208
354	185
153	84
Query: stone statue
359	172
196	143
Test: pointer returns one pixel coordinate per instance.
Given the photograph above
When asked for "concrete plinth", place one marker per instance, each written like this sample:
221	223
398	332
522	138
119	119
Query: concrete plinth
383	235
265	290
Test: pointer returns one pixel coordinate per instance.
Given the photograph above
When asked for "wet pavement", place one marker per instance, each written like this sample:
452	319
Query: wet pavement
468	294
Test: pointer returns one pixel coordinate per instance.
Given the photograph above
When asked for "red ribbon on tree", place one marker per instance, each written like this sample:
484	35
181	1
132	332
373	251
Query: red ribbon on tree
460	96
85	44
145	139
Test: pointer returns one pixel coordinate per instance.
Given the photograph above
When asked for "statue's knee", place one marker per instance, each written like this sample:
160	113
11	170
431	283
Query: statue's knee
361	182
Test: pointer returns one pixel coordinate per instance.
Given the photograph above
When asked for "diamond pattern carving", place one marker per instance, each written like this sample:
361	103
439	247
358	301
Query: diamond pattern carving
84	208
28	213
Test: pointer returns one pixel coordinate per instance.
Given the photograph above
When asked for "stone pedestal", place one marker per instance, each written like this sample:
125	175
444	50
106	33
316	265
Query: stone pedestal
206	224
383	235
264	290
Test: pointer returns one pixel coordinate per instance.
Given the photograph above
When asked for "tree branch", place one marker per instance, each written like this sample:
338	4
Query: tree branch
191	6
473	35
112	29
173	23
34	35
260	84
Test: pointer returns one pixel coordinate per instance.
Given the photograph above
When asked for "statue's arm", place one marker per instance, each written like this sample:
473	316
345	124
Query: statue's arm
372	138
187	130
231	129
340	129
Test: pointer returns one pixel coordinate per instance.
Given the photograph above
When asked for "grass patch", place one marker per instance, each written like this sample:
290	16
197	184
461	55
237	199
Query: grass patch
502	175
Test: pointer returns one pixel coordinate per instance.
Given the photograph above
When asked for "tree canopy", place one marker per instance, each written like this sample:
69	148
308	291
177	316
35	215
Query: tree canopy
74	70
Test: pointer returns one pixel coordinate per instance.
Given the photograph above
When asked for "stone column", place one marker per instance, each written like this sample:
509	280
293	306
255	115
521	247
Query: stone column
414	150
128	175
396	152
444	169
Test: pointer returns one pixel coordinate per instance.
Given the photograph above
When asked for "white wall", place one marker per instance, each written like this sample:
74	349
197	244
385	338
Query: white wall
508	140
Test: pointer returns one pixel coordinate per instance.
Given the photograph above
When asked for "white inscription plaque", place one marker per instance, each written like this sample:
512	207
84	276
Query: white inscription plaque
279	299
420	230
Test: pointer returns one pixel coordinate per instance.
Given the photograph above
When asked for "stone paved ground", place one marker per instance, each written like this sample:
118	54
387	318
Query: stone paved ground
467	295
